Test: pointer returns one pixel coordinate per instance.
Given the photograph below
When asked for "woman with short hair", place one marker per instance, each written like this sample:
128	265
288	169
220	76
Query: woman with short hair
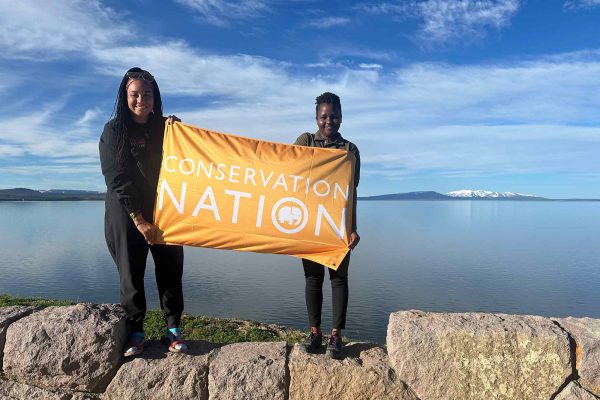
329	119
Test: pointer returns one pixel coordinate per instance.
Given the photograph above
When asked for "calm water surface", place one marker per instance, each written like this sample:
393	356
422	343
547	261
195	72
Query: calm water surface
495	256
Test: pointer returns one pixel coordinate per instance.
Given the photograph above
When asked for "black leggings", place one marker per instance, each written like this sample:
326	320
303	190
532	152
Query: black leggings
129	251
314	274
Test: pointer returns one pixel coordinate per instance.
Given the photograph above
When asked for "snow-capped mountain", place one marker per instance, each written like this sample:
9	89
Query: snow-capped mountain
486	194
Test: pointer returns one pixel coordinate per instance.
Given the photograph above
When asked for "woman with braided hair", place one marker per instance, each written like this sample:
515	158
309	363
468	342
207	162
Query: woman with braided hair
130	156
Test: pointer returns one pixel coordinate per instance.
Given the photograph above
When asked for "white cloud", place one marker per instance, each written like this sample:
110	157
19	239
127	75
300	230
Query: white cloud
222	12
448	20
479	119
370	66
10	150
580	4
197	73
328	22
36	31
524	117
335	52
39	135
89	116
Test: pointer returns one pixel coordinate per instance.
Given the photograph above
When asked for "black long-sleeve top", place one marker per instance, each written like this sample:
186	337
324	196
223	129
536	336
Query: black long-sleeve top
133	182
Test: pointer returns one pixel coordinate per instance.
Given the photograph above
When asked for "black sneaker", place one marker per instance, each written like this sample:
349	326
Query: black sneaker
312	342
334	347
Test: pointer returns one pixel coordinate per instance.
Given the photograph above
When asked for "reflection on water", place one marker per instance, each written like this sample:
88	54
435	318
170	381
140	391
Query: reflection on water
516	257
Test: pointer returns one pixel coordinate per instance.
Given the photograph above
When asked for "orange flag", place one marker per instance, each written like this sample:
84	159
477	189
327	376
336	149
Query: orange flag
230	192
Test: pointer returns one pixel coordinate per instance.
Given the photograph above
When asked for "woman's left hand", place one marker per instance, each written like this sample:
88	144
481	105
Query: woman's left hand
354	239
171	119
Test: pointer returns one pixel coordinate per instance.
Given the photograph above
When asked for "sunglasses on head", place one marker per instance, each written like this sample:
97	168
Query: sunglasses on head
141	75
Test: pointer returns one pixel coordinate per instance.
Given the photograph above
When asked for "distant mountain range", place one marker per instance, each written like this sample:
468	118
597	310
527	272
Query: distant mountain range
465	194
22	194
486	194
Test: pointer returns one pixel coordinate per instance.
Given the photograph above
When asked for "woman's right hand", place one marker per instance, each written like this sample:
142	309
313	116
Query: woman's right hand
149	231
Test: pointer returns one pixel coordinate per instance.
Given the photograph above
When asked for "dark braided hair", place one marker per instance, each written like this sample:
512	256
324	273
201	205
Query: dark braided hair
121	116
328	98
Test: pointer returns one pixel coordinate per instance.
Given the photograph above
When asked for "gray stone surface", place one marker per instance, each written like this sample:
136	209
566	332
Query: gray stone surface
71	348
586	332
84	396
158	374
8	315
248	371
574	391
478	356
10	390
363	374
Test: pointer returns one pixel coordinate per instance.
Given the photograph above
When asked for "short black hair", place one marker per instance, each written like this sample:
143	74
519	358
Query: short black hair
328	98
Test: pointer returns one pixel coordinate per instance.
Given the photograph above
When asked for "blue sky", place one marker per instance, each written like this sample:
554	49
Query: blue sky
439	95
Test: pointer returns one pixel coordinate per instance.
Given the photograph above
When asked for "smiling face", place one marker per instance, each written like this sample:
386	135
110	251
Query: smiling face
140	100
329	120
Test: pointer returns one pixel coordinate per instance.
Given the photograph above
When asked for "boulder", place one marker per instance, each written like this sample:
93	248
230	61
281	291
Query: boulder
10	390
573	391
586	333
248	371
72	348
363	374
478	356
8	315
84	396
158	374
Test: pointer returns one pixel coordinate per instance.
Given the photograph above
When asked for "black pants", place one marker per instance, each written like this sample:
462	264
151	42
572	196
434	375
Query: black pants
129	251
314	274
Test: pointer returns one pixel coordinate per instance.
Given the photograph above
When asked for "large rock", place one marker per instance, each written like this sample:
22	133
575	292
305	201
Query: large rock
478	356
574	391
364	374
248	371
8	315
586	333
158	374
66	348
10	390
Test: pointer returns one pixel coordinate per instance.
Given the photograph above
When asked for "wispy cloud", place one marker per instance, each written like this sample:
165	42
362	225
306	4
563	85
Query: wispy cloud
519	117
198	73
332	56
580	4
370	66
444	21
37	32
38	134
478	119
328	22
222	12
522	117
89	116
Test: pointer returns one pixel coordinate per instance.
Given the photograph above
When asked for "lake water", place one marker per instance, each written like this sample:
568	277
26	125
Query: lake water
495	256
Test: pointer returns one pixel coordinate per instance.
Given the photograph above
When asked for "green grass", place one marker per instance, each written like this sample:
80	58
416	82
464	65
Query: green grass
216	330
6	300
222	330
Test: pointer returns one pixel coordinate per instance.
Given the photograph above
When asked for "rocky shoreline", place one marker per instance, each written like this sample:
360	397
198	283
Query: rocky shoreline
74	352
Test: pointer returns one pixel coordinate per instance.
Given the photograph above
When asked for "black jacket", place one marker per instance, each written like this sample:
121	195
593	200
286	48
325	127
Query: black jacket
133	182
318	140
